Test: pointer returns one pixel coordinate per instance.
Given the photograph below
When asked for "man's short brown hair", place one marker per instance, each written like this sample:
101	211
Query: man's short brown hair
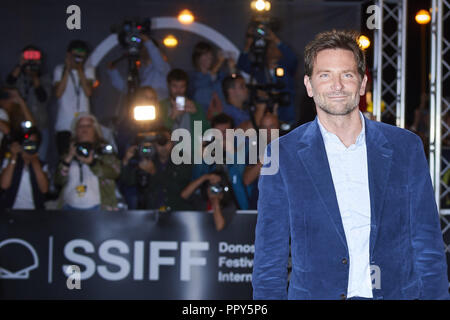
335	39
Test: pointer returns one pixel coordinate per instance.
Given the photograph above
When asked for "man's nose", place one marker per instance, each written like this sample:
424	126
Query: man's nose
337	83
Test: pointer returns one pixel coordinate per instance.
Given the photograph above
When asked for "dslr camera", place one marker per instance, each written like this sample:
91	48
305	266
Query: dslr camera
129	34
83	149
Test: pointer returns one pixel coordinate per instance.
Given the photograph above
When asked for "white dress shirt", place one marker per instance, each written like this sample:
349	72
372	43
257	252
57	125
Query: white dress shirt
351	182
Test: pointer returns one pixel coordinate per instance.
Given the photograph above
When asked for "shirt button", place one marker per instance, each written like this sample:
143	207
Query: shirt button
344	261
343	296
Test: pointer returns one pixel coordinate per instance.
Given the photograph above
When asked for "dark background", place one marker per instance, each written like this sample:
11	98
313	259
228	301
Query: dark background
43	23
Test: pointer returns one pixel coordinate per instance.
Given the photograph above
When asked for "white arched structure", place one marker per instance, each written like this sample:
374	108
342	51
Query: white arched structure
166	23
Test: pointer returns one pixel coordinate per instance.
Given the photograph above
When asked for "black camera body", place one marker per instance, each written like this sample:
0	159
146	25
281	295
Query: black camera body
32	65
130	33
275	94
83	149
259	28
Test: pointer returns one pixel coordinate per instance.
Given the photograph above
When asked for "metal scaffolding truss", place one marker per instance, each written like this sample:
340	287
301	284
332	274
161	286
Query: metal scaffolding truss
389	62
440	112
440	103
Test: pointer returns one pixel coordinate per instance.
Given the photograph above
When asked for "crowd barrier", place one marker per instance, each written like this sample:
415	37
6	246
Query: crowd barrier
126	255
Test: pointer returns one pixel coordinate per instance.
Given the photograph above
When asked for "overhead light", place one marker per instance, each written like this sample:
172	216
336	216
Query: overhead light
364	42
423	17
260	5
170	41
186	17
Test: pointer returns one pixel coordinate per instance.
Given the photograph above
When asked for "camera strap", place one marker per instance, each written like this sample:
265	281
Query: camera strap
77	88
81	188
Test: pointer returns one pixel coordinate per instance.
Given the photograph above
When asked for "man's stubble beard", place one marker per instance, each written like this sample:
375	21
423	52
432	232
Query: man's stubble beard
349	107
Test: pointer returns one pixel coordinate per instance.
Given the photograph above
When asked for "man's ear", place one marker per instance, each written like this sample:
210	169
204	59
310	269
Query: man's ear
362	90
308	86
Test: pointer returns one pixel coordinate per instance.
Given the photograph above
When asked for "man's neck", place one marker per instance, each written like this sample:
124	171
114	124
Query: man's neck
346	128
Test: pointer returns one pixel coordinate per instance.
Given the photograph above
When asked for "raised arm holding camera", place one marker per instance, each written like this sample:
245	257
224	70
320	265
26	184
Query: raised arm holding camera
23	180
272	64
144	52
88	171
73	83
159	181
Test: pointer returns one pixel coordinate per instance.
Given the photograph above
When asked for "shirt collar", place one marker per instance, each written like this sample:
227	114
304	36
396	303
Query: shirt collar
329	137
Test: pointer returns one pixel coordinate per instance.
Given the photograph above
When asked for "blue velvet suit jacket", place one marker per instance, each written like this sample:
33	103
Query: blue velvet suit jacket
299	203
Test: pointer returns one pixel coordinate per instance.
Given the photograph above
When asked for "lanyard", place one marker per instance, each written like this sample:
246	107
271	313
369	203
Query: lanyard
77	89
80	165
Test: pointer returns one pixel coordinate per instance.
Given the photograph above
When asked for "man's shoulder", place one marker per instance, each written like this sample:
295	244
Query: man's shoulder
395	135
295	135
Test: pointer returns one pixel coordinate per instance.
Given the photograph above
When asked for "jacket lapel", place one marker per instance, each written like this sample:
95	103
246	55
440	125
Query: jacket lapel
312	153
379	161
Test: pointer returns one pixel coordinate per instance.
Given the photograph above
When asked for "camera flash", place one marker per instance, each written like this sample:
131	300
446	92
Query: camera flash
144	113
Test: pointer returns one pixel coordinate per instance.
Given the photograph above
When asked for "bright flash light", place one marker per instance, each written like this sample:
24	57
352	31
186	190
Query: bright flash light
144	113
186	17
279	72
423	17
364	42
27	124
170	41
260	5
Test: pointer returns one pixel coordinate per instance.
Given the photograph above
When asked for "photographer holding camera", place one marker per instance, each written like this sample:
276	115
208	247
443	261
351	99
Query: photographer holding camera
270	61
152	70
237	99
236	194
73	83
23	180
87	173
159	181
35	88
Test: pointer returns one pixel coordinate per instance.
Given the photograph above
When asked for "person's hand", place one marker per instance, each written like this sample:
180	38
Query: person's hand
215	106
15	96
72	152
220	57
215	197
32	158
144	37
190	106
15	149
86	160
231	63
68	61
131	151
148	166
175	113
213	178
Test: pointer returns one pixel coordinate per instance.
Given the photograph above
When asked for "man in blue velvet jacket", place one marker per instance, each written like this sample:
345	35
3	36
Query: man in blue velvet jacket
352	197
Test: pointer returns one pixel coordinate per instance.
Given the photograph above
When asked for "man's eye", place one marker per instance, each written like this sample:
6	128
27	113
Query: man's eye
348	75
323	76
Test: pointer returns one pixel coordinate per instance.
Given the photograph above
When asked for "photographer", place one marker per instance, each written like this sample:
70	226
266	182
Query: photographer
277	54
23	180
231	171
178	111
13	111
236	95
207	78
252	171
35	89
73	83
88	171
159	181
207	193
153	68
